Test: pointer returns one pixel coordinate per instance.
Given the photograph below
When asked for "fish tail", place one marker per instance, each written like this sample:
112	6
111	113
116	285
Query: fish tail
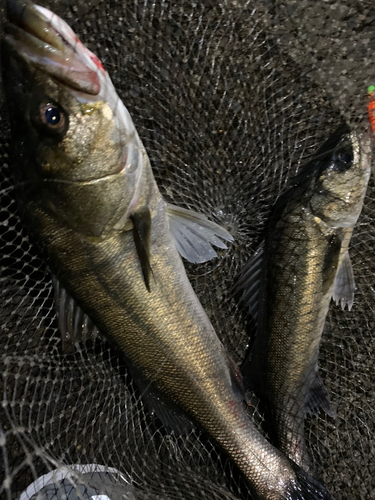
308	488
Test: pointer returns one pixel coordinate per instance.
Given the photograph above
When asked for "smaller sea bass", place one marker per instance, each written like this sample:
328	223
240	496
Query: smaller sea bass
289	281
88	195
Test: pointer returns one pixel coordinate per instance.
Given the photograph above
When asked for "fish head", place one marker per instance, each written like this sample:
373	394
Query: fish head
74	142
341	177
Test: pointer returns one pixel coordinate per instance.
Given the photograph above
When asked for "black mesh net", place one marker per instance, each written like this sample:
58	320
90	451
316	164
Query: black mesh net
229	99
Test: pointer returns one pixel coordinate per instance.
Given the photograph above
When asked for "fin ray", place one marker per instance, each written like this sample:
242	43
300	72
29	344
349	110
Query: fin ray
74	325
142	234
170	415
344	284
173	420
307	488
194	234
317	399
248	280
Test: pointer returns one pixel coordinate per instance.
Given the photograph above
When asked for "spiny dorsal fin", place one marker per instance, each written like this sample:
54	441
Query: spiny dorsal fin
141	219
248	280
74	325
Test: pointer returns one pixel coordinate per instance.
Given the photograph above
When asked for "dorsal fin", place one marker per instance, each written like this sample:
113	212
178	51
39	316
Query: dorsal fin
141	219
74	325
248	281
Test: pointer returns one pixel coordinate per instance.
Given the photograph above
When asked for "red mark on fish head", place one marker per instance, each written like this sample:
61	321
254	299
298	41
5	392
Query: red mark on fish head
97	61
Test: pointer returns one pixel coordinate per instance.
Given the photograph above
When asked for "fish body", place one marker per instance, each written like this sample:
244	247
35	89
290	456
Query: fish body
89	197
290	280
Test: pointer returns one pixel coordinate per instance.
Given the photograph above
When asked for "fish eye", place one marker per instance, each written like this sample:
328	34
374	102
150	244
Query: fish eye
52	117
346	157
342	161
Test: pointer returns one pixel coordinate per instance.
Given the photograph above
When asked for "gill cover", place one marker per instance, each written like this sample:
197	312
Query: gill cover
341	178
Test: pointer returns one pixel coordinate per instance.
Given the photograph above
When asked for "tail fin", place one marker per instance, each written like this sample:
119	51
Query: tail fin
308	488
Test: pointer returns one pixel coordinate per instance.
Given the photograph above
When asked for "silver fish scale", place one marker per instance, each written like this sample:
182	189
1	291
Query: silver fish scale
229	101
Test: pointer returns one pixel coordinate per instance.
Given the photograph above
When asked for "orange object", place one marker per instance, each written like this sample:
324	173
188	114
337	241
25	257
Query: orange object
371	107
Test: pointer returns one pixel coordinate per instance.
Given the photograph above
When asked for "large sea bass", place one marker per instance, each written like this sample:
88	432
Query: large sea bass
87	193
289	281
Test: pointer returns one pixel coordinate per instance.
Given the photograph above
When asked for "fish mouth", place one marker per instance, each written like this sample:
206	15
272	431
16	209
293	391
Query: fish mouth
46	42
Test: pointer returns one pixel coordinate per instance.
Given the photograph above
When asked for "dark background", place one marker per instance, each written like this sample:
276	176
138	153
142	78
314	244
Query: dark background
229	98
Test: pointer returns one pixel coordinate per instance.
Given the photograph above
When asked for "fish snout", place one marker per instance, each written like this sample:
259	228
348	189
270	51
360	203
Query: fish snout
46	42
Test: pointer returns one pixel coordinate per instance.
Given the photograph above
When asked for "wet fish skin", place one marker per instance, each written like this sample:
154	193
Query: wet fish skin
306	243
79	185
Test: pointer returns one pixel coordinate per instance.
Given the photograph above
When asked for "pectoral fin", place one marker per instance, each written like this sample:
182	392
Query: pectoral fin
344	284
74	325
142	233
194	234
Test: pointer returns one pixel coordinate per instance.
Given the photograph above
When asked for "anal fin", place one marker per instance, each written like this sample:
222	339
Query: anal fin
317	399
172	418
